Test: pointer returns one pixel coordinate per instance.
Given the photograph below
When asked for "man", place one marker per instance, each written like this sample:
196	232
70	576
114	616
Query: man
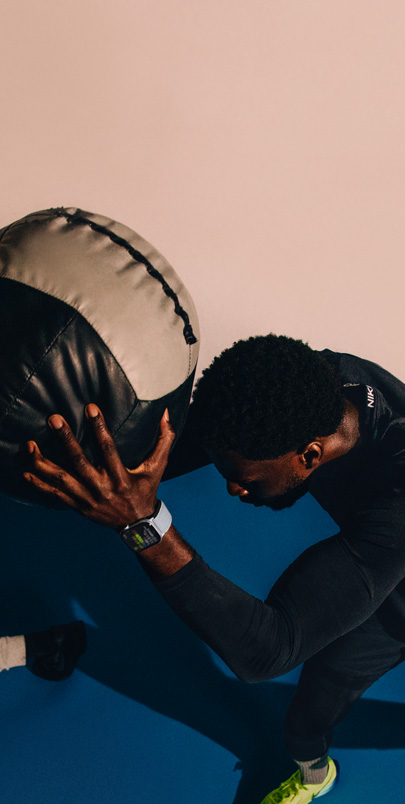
277	419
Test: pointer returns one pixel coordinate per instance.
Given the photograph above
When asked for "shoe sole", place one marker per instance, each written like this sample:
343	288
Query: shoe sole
332	784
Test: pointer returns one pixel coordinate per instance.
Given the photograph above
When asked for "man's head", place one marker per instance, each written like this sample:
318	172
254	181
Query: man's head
263	409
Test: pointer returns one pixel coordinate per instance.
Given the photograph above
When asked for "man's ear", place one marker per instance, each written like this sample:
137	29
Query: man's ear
311	456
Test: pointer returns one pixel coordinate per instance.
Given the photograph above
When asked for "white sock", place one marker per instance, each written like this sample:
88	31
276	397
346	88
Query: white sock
314	771
12	652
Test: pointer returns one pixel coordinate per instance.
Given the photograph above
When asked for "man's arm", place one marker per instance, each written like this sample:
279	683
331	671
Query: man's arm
329	590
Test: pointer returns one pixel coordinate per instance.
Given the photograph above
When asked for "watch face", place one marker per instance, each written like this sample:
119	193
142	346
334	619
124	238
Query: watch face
141	536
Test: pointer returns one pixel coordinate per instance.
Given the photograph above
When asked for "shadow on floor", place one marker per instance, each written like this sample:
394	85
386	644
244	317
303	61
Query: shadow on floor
57	568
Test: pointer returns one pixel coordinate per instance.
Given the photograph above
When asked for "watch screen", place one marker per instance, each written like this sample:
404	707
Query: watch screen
140	537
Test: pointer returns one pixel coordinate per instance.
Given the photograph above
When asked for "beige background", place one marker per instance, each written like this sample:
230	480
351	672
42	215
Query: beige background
259	144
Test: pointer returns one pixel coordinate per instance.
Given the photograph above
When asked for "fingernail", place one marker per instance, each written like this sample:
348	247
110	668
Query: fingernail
92	410
56	422
166	415
27	476
30	447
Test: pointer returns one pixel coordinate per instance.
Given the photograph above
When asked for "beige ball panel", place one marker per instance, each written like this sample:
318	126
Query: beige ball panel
125	305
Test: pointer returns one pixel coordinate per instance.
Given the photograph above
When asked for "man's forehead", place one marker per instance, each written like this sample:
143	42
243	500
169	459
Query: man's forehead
235	467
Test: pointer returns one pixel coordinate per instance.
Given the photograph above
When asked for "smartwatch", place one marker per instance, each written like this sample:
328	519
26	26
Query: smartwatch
146	532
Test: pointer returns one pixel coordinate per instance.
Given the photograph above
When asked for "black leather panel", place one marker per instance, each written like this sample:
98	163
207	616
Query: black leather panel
53	361
29	323
138	435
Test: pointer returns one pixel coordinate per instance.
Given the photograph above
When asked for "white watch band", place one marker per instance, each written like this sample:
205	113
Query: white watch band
162	520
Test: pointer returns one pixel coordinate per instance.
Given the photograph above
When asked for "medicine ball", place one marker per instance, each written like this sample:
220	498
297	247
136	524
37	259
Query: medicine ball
89	312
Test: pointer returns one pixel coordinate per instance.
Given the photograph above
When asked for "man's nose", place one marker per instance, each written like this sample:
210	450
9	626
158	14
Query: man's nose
235	490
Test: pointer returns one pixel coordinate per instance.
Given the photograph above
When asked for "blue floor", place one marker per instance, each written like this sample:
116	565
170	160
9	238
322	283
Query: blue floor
151	715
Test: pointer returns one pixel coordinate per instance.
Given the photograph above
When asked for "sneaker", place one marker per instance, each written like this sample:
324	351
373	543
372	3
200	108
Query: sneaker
297	793
53	654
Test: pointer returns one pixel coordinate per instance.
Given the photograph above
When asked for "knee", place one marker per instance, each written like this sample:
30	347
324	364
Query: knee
253	672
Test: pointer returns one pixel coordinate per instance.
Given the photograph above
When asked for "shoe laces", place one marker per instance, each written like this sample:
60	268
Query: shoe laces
287	790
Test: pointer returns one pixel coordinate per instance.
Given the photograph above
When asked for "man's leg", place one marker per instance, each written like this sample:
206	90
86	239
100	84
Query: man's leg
333	680
320	702
330	684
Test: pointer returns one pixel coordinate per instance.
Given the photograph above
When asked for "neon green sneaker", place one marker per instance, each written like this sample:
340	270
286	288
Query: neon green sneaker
297	793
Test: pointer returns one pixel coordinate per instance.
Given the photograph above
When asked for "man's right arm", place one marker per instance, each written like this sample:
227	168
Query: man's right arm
329	590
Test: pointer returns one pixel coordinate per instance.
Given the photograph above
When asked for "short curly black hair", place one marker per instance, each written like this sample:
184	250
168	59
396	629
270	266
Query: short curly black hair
266	396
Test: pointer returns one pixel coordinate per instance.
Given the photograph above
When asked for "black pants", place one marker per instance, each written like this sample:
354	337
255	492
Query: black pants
333	680
260	641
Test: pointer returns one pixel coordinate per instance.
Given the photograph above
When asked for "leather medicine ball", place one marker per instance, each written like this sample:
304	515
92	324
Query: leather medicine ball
89	312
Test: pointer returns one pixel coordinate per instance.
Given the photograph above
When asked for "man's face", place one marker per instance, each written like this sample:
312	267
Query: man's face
276	483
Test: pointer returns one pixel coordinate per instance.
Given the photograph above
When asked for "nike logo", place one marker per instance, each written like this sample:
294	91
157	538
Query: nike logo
370	397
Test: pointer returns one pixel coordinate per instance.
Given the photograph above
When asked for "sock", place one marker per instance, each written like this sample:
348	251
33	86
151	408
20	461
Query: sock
314	771
12	652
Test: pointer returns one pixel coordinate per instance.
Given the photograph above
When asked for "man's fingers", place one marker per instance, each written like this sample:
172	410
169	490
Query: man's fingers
109	453
53	478
161	452
51	490
82	466
155	464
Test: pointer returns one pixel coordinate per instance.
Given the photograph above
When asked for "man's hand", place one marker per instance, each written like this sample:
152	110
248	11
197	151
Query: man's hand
110	494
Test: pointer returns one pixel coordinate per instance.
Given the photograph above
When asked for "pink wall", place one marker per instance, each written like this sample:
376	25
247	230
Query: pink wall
259	144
